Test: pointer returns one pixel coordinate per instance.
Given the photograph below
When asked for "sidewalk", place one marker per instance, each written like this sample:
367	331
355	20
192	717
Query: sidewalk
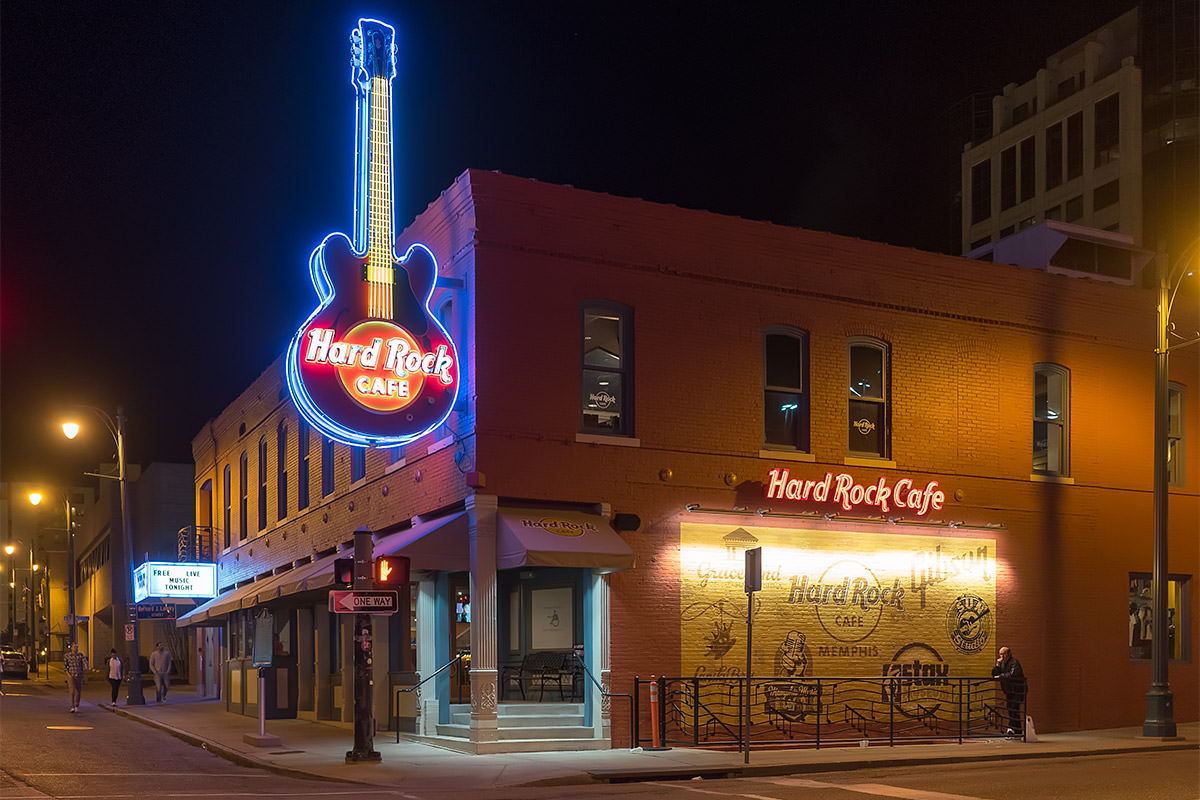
318	750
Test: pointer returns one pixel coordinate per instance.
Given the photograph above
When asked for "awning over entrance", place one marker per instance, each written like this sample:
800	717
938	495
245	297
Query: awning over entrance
553	538
437	544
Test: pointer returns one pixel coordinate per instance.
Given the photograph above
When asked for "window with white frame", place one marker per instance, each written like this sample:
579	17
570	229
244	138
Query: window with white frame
1051	419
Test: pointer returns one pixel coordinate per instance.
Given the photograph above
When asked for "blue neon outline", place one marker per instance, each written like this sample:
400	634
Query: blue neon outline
324	287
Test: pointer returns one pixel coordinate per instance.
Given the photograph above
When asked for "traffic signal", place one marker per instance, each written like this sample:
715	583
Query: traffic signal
390	571
343	572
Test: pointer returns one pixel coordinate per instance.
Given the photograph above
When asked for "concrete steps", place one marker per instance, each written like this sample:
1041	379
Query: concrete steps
525	727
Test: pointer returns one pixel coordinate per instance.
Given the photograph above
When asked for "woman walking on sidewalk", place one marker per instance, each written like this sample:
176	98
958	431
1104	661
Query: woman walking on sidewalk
115	673
76	664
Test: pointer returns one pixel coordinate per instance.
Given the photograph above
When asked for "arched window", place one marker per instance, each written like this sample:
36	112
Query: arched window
326	467
281	472
302	448
244	499
785	388
227	504
1051	419
262	483
869	402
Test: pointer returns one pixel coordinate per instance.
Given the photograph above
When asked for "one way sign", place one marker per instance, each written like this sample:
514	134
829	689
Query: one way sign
363	602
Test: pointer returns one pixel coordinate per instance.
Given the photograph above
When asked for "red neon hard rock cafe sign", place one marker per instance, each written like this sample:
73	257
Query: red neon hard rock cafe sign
843	491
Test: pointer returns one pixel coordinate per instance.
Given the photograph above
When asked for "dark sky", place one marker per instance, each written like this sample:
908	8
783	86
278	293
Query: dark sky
166	167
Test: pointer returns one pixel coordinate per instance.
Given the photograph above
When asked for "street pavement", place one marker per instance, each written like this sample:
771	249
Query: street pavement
318	750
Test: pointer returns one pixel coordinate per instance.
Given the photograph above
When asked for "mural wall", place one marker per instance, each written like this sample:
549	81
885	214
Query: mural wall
837	604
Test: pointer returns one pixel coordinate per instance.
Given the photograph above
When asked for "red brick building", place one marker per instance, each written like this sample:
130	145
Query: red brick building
628	358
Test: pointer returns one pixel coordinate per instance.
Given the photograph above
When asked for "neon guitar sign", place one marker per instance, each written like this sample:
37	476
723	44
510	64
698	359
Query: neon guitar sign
371	366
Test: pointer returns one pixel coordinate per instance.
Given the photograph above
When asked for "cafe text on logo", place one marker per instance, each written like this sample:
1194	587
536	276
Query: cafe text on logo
848	598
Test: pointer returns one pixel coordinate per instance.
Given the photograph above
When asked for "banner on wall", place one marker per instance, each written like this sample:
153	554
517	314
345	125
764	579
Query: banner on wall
837	604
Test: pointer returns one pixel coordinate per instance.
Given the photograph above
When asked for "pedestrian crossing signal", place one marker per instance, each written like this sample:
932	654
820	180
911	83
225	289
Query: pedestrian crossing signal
343	572
391	571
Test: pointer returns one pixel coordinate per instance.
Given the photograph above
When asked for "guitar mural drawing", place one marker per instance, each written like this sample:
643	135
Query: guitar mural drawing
372	366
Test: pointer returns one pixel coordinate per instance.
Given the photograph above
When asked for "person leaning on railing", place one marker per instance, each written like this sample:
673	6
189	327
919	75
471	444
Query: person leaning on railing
1012	683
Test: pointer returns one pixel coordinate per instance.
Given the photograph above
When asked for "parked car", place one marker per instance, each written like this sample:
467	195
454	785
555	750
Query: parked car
12	662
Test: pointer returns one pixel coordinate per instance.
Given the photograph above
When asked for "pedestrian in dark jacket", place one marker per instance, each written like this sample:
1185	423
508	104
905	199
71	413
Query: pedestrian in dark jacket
1012	683
116	671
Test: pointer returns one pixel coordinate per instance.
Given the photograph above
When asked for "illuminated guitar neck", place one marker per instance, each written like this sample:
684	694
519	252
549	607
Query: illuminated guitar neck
379	201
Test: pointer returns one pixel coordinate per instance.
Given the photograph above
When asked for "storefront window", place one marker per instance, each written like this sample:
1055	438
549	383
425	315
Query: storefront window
1142	628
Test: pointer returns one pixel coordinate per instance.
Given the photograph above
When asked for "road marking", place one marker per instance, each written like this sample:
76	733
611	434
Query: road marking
698	790
69	728
143	774
880	789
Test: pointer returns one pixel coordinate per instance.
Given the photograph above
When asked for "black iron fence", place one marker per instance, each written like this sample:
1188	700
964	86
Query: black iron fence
707	711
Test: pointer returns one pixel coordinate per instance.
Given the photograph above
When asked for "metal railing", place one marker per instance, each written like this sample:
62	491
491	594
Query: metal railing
710	711
395	710
609	695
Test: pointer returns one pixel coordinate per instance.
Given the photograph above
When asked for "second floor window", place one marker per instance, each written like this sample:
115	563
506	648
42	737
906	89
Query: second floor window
869	400
358	463
281	473
1051	419
606	379
785	390
302	447
227	501
262	483
326	467
244	498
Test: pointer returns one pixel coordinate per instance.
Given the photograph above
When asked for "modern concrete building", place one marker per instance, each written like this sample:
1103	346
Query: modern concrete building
1106	136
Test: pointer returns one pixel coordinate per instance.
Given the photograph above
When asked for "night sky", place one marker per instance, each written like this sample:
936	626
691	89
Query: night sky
167	167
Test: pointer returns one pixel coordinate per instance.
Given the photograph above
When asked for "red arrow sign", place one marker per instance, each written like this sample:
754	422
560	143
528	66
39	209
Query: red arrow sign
363	602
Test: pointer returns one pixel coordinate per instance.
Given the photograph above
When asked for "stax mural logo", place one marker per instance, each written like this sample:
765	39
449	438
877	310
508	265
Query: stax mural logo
969	623
920	680
558	526
849	599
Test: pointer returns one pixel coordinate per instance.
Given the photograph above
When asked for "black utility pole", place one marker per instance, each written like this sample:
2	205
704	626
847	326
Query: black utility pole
364	709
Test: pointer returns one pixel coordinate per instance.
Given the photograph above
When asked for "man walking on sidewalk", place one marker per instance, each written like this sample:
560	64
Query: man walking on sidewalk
160	665
76	664
115	673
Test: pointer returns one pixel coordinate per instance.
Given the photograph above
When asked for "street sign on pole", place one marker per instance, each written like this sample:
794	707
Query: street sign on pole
363	602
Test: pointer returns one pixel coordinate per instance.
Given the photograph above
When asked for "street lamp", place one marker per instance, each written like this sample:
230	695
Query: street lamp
117	429
9	549
1160	714
35	498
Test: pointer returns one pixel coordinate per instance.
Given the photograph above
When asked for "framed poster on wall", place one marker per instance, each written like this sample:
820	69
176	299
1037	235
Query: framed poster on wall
553	623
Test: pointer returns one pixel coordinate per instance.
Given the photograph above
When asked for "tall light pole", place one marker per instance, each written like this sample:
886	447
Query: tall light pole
117	429
1160	713
35	498
9	549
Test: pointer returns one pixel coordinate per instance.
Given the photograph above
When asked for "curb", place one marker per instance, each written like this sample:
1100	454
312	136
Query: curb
226	753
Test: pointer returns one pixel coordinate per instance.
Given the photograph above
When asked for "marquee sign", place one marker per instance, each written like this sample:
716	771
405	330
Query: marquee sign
173	579
372	366
842	491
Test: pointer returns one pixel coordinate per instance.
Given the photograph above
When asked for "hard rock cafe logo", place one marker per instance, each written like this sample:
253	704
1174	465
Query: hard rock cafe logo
379	363
848	598
863	426
559	526
602	399
969	623
919	680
